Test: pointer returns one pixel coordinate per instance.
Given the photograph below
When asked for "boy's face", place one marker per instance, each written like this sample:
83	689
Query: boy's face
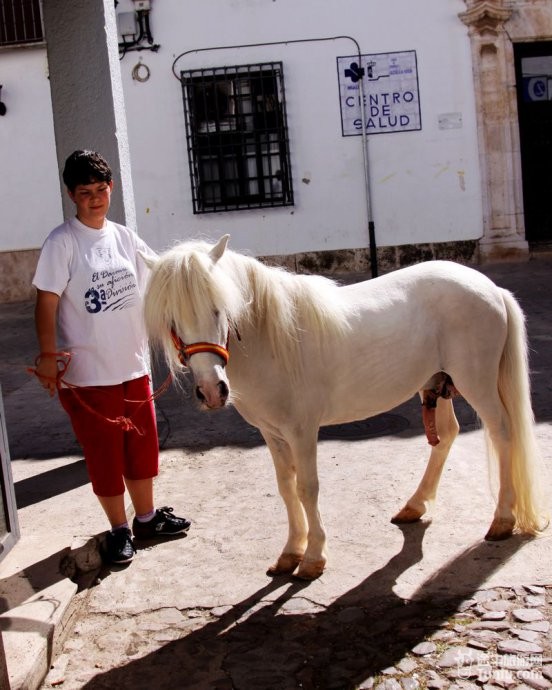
92	202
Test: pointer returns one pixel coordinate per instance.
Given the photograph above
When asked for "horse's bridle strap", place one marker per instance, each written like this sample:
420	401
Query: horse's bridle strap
186	351
194	348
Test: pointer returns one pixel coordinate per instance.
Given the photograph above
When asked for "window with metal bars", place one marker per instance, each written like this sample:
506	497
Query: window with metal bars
237	137
20	22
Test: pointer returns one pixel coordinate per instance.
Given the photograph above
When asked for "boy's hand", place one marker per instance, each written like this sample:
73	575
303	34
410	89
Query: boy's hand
47	372
45	320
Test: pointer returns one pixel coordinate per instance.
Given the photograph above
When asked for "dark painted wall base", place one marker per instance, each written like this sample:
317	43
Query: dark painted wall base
342	261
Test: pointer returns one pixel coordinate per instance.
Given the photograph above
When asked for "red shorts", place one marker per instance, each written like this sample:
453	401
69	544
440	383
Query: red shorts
110	452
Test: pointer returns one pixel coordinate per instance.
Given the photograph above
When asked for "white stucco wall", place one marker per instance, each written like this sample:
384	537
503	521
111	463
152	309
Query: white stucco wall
30	199
425	184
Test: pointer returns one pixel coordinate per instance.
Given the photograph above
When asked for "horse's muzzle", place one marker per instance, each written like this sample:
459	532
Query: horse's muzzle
210	400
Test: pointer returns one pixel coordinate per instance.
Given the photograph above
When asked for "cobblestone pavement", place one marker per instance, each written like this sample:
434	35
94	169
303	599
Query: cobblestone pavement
496	638
429	605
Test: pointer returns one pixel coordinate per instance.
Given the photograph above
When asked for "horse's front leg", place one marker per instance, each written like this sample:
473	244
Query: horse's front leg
292	553
304	454
447	429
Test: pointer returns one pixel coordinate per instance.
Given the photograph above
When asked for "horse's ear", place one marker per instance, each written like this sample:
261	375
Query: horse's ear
148	260
218	250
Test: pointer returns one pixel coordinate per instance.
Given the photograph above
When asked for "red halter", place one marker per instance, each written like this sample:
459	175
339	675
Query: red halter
186	351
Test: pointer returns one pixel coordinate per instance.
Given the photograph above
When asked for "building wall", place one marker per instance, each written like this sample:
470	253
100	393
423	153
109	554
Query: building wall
425	185
30	189
30	203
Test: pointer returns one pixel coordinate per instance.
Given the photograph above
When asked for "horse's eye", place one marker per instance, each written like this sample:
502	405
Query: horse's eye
217	313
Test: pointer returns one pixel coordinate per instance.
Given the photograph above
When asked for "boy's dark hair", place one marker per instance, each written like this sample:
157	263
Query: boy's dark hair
85	167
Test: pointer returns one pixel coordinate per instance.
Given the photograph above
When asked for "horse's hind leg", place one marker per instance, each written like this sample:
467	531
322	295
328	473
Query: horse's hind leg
492	413
447	429
504	520
494	417
292	553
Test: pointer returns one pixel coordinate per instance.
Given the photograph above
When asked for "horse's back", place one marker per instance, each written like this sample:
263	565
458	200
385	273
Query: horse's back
432	290
429	273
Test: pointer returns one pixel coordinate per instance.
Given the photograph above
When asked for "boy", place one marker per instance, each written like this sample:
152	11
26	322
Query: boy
90	283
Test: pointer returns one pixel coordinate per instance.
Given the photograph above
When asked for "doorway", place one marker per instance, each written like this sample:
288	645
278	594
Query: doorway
9	525
533	62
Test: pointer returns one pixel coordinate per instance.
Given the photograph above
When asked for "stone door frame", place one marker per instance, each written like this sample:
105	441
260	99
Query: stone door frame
493	27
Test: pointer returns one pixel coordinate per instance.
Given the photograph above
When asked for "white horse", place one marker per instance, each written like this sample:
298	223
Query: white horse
302	352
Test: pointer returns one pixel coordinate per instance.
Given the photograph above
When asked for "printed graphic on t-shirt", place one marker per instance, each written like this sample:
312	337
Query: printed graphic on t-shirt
105	254
111	289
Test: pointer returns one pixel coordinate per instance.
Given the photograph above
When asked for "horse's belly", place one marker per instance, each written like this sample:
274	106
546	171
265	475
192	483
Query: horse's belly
359	403
374	375
331	404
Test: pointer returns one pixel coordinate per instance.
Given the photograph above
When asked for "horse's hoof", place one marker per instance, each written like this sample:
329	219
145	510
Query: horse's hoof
310	570
501	528
406	515
285	564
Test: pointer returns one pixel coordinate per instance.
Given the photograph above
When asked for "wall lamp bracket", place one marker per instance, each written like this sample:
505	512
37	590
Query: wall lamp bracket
141	37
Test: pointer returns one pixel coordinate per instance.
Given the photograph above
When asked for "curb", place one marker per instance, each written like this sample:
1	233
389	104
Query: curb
35	630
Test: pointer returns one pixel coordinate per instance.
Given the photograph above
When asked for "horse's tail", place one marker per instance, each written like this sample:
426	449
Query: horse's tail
515	393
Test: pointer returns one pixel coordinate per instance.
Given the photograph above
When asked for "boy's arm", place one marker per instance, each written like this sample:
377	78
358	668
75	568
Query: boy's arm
45	323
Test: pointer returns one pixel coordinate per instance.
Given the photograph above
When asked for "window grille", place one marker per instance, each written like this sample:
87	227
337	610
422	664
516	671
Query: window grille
237	137
20	22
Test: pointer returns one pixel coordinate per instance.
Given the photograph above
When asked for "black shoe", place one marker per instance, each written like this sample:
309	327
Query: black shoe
162	524
118	546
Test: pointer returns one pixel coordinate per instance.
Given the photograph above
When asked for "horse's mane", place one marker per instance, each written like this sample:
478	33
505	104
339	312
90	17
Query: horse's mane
185	284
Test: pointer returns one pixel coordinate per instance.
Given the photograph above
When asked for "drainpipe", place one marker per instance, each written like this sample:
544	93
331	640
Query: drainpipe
364	137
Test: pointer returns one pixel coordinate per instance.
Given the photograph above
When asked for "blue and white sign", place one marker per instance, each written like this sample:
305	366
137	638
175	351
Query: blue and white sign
391	93
536	89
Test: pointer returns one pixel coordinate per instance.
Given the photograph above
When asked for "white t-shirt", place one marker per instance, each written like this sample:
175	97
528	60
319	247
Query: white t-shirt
100	280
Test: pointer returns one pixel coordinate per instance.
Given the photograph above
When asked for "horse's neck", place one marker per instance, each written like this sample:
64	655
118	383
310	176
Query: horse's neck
262	324
259	285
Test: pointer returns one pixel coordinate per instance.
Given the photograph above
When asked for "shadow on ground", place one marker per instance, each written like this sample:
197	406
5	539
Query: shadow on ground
53	482
287	641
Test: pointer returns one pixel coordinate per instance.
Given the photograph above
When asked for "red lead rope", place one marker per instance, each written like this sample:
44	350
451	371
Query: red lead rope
63	359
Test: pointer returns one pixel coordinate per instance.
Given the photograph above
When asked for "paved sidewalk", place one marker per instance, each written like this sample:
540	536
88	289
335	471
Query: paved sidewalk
428	605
